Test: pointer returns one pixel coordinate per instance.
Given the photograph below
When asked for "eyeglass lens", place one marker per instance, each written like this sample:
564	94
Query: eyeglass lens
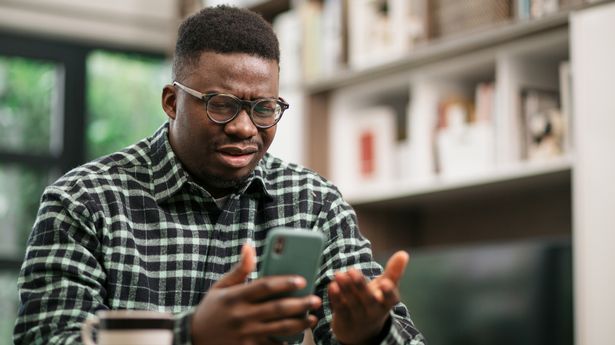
222	108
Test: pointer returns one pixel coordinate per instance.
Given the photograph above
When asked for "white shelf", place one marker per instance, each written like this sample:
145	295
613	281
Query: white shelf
529	175
450	46
442	49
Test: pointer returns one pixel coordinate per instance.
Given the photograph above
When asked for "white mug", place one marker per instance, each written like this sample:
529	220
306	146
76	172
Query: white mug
129	327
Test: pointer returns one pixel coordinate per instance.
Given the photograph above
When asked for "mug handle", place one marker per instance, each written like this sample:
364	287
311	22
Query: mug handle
86	330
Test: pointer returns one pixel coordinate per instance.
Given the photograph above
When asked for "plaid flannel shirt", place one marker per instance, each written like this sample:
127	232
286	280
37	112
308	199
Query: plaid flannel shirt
134	231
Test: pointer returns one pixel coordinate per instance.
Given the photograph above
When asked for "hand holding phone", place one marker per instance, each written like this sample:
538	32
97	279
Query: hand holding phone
291	251
236	311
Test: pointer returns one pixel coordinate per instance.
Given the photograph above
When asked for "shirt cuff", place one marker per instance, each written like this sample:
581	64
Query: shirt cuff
182	328
399	334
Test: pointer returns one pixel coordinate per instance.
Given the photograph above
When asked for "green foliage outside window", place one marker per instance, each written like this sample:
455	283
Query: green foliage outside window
27	92
8	305
123	106
123	99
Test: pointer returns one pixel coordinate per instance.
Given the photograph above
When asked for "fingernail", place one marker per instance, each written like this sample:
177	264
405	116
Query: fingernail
314	300
298	281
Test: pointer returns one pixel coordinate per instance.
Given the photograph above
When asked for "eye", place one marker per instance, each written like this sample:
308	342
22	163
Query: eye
265	108
222	103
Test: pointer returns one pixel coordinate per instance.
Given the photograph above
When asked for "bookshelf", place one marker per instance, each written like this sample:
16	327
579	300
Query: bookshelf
525	176
513	197
510	53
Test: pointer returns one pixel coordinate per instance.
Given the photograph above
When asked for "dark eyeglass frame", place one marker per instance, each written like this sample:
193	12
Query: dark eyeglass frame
245	104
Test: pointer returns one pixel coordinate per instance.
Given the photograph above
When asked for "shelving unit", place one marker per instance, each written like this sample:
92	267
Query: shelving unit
515	199
511	54
466	60
441	49
525	176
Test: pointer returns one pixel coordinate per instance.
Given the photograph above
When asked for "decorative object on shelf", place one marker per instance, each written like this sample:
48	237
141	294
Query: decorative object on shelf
544	126
464	135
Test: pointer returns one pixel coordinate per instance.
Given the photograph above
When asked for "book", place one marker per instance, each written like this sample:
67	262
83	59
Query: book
565	94
541	8
287	27
421	122
375	140
451	17
310	14
522	9
384	30
332	57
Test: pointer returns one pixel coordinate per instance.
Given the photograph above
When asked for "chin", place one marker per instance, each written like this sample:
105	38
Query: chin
223	181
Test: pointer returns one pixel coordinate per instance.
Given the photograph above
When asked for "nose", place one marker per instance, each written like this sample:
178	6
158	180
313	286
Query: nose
242	126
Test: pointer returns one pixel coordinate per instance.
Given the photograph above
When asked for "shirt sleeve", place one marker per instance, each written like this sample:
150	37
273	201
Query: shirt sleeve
347	248
62	280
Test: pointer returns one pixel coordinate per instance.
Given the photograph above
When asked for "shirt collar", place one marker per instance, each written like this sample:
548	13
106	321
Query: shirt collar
258	181
169	175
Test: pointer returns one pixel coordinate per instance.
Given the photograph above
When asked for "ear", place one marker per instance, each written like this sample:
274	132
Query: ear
169	101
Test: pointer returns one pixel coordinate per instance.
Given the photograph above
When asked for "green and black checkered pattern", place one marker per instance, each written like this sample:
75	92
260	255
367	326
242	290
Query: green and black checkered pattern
134	231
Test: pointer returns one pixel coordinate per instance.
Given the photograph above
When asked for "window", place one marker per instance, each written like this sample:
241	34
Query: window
29	117
123	99
28	101
60	105
8	305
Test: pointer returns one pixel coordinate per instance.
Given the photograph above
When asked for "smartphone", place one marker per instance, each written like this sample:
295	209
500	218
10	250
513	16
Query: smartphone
290	251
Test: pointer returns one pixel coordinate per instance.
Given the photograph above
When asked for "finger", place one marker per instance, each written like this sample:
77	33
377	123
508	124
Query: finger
395	266
338	303
269	341
346	287
333	291
390	293
239	272
361	289
262	340
283	308
268	288
349	292
288	326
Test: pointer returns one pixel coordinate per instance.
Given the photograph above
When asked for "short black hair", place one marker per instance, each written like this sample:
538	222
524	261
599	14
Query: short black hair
223	29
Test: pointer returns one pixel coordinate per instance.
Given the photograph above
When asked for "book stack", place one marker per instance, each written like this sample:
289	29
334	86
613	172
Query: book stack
532	9
384	30
455	16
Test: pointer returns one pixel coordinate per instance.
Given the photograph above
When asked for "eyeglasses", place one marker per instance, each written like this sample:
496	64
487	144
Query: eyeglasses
222	108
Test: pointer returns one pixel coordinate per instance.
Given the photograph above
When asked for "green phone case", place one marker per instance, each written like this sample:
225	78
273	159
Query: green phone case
290	251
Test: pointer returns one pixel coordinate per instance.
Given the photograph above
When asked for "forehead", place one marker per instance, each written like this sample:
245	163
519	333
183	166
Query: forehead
240	66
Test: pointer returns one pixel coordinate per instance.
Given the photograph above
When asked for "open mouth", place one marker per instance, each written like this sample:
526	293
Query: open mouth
237	157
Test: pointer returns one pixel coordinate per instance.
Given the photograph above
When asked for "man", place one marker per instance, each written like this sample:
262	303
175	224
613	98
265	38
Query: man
167	224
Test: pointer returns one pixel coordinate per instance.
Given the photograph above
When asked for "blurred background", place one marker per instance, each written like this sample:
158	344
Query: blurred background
476	134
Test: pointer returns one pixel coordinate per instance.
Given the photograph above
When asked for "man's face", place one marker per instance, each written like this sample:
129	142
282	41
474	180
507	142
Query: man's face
220	155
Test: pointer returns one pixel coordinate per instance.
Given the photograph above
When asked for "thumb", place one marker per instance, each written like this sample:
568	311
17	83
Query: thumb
241	270
395	266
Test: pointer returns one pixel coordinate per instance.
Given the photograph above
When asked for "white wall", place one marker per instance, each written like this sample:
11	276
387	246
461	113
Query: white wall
593	68
146	24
